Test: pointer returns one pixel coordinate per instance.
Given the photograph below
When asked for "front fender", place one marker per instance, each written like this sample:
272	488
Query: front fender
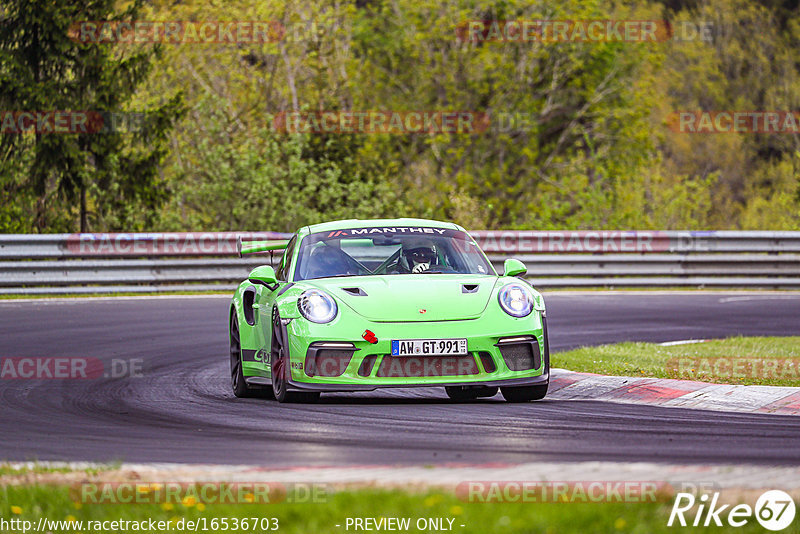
287	301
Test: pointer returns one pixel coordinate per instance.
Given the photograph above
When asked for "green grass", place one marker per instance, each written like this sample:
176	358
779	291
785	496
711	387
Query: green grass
10	470
45	468
738	360
56	503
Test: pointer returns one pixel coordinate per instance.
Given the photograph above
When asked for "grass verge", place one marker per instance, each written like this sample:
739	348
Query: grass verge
773	361
56	503
29	469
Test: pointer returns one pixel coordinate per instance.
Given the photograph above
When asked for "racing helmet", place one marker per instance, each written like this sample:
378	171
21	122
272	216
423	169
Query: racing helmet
419	254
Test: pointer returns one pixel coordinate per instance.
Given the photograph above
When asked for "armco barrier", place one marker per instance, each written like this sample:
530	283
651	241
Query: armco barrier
158	262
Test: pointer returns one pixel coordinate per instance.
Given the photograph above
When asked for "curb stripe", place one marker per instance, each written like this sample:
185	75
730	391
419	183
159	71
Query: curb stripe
786	406
668	392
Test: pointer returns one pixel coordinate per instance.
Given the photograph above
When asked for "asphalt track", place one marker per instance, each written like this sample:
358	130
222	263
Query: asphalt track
182	409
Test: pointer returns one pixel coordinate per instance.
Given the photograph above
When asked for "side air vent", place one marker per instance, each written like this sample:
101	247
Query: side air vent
248	299
469	288
355	291
365	369
488	362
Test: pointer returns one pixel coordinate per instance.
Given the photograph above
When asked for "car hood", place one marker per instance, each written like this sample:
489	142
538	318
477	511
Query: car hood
412	297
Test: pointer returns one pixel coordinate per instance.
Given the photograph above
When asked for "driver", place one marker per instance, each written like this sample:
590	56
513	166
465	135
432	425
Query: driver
419	255
326	261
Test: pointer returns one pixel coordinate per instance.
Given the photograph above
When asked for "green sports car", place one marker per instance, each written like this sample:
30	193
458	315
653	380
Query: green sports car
363	304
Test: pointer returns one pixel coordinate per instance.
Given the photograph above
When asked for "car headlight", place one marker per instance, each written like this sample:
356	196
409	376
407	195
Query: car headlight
317	306
516	300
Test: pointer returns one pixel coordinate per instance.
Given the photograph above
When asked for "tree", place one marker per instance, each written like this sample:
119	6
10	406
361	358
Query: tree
568	137
111	175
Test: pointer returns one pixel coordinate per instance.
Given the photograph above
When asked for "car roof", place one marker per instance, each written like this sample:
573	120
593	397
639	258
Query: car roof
371	223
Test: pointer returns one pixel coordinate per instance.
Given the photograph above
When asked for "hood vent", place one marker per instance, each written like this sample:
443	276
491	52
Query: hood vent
355	291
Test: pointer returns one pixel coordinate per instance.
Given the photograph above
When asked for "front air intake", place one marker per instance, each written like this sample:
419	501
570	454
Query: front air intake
520	353
328	359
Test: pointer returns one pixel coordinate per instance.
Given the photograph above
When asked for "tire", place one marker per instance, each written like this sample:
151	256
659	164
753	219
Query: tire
487	391
238	382
524	393
461	394
467	393
279	369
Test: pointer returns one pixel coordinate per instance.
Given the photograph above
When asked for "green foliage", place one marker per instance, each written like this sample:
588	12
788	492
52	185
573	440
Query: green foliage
578	135
749	63
265	179
113	176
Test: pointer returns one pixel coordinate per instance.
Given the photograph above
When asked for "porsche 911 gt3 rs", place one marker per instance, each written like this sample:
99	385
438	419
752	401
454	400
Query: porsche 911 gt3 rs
358	305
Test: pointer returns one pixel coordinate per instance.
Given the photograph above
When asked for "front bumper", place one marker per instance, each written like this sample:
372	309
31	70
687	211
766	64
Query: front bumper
509	382
483	335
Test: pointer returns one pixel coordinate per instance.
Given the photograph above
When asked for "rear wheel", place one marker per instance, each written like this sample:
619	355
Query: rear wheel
238	382
524	393
279	368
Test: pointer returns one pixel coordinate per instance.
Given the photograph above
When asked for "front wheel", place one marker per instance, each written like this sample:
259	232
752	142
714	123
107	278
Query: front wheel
238	383
468	393
524	393
460	394
280	371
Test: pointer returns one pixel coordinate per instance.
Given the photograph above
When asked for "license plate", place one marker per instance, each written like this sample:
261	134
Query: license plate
429	347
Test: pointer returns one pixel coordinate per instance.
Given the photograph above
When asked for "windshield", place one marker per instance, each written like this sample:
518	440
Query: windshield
389	250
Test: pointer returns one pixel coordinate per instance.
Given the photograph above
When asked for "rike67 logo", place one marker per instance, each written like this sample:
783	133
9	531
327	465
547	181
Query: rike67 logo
774	510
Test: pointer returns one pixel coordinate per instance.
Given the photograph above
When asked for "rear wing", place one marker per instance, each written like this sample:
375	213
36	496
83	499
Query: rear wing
253	247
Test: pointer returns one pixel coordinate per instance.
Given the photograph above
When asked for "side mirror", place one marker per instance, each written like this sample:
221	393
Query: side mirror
512	267
264	275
